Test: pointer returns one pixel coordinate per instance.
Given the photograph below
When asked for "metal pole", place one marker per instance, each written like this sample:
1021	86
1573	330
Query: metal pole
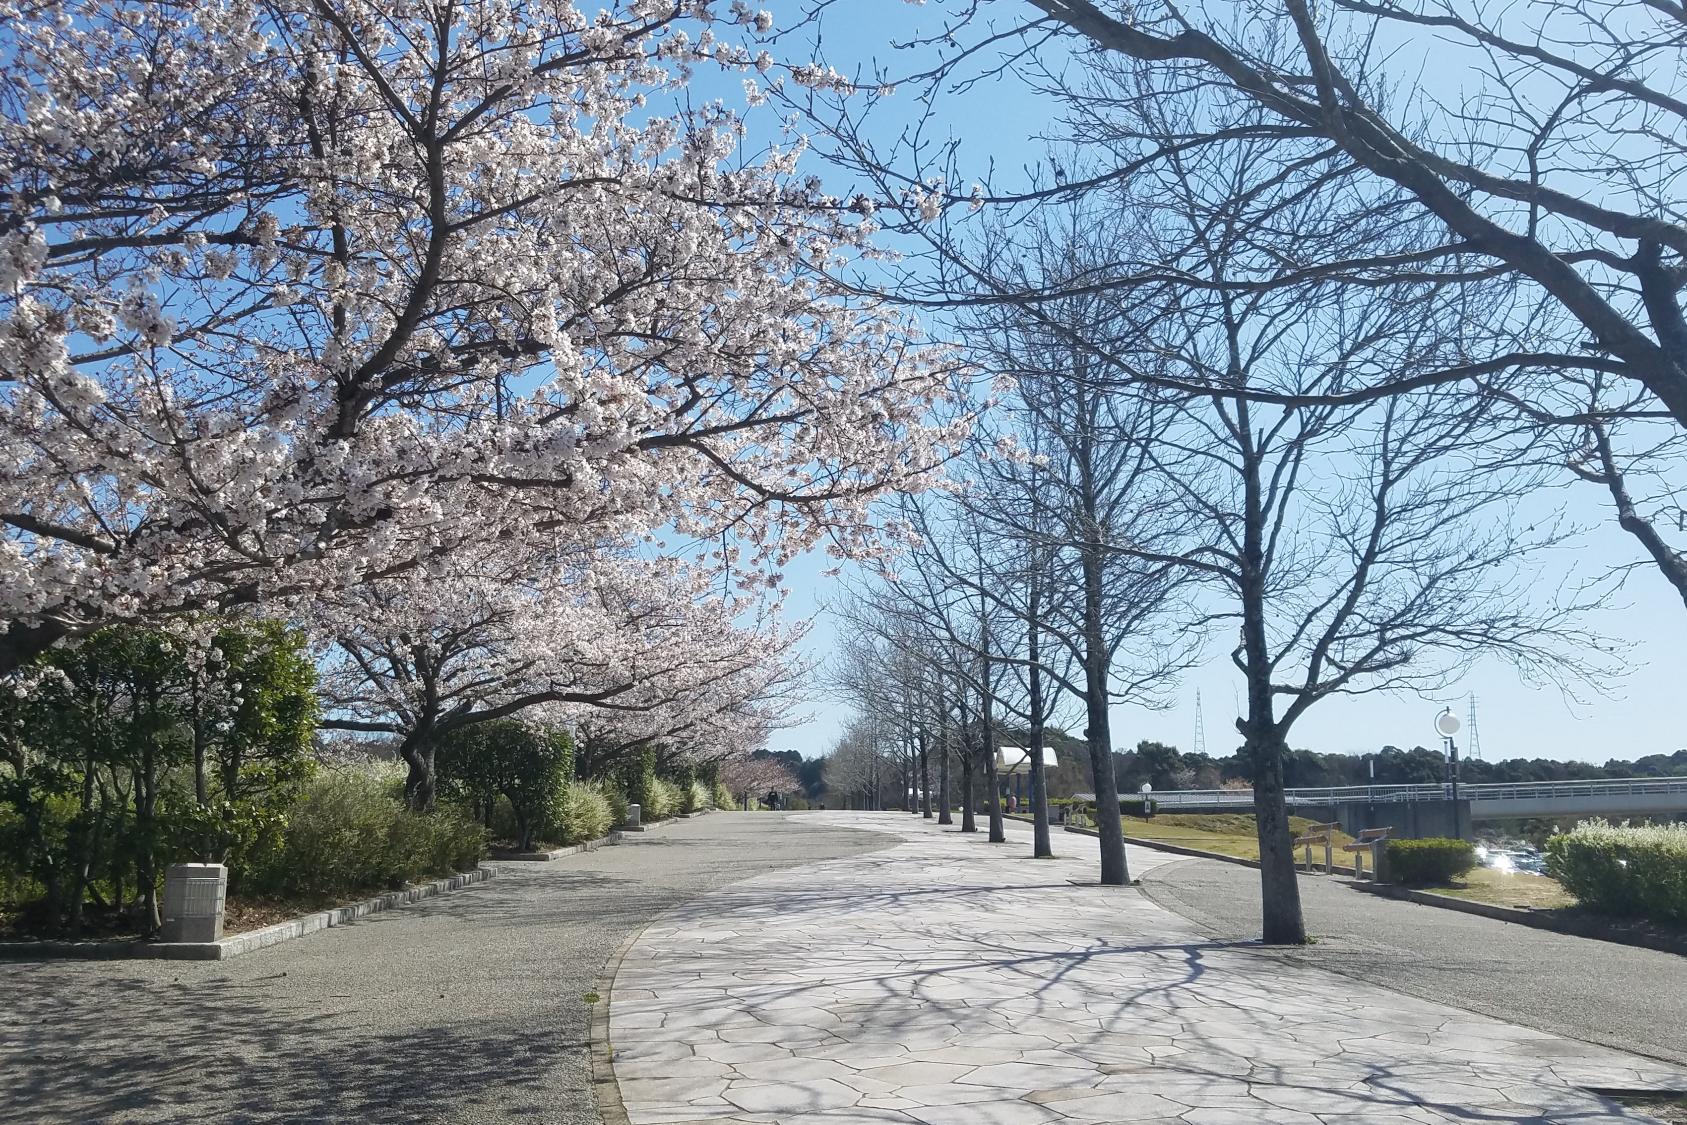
1452	752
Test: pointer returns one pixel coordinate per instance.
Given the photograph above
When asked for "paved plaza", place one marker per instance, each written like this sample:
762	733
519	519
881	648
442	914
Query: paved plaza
947	981
468	1009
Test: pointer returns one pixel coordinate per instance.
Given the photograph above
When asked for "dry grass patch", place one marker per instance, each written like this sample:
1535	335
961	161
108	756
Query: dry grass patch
1232	834
1509	888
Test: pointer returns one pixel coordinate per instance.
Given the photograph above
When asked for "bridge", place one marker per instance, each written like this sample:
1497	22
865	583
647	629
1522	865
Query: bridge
1618	798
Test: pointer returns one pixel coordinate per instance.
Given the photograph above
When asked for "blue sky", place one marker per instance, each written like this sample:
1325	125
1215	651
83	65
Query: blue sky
1635	715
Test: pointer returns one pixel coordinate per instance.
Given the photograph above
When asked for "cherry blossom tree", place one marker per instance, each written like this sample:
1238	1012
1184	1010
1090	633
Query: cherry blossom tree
296	296
421	655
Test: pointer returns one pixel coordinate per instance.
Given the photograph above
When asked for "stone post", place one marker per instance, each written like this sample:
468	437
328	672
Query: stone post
193	902
635	818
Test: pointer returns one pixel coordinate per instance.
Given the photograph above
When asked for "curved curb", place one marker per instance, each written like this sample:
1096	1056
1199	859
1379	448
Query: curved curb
606	1088
606	1091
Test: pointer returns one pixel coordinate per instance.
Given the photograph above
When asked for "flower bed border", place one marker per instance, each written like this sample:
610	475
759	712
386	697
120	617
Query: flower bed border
503	855
238	944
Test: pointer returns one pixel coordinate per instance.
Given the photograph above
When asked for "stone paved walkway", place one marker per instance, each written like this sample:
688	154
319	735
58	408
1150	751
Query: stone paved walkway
947	981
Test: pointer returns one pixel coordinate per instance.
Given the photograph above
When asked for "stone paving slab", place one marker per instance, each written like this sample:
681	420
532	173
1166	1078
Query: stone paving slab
947	981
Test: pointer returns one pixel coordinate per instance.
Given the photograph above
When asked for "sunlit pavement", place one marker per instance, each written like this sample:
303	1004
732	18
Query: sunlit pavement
948	980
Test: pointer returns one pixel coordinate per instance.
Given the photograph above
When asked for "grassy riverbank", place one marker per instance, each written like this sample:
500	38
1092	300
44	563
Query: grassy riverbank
1232	834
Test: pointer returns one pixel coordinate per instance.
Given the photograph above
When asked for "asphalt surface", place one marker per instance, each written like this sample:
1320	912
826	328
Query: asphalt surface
466	1008
1618	995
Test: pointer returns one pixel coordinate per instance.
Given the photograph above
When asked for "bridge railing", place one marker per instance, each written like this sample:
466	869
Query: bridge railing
1482	791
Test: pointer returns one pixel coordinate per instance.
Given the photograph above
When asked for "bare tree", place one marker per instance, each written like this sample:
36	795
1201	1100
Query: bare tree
1547	171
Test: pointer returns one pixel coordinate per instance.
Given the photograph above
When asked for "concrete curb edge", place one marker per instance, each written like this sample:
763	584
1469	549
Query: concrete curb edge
249	942
1583	927
606	1090
614	837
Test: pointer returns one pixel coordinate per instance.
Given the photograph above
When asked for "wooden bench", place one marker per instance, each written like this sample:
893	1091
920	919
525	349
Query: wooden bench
1371	840
1320	834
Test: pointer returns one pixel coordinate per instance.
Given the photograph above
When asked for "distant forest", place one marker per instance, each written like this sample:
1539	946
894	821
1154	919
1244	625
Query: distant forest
1165	767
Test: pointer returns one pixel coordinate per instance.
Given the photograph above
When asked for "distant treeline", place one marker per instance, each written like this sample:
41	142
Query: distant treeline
1165	767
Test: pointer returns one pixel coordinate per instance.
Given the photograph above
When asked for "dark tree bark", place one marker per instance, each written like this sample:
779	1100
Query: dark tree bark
1041	846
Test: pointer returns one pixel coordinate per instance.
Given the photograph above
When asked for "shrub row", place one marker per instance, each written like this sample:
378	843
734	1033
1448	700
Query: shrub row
586	813
1636	871
1429	862
350	831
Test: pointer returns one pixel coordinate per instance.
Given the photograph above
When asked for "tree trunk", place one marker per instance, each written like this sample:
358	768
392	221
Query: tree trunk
925	776
1282	920
969	821
1041	846
420	785
90	831
945	800
1115	871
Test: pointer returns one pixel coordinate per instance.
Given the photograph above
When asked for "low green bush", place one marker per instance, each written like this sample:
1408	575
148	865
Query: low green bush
348	833
525	764
1429	862
693	797
663	798
723	797
1637	871
1137	806
617	799
585	813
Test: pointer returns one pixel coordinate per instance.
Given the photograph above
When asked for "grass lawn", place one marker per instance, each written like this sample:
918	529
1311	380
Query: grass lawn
1509	888
1232	834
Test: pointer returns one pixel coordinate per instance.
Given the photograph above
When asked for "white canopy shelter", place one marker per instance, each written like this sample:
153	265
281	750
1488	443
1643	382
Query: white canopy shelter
1017	759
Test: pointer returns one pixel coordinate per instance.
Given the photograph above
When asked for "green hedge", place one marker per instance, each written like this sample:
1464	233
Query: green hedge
350	832
1618	869
663	800
525	764
1429	862
585	813
617	799
723	797
694	797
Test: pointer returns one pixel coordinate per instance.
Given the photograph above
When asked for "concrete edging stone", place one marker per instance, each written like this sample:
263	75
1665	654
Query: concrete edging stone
503	856
1582	926
249	942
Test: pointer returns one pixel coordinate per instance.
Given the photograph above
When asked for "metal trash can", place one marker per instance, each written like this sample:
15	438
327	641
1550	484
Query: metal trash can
193	902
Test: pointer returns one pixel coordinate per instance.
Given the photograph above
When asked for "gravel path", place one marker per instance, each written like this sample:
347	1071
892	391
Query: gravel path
1618	995
468	1008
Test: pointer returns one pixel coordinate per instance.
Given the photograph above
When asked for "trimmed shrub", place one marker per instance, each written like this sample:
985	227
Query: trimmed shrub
616	798
586	814
723	797
1429	862
526	764
1618	869
664	800
348	833
636	776
1137	806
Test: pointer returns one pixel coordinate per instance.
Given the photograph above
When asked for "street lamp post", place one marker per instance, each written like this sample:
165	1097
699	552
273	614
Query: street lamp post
1447	725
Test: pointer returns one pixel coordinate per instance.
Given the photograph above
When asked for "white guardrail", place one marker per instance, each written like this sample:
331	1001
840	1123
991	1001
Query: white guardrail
1483	791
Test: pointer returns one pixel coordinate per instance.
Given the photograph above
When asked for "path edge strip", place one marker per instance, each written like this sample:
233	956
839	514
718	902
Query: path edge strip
249	942
508	856
606	1089
1591	928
